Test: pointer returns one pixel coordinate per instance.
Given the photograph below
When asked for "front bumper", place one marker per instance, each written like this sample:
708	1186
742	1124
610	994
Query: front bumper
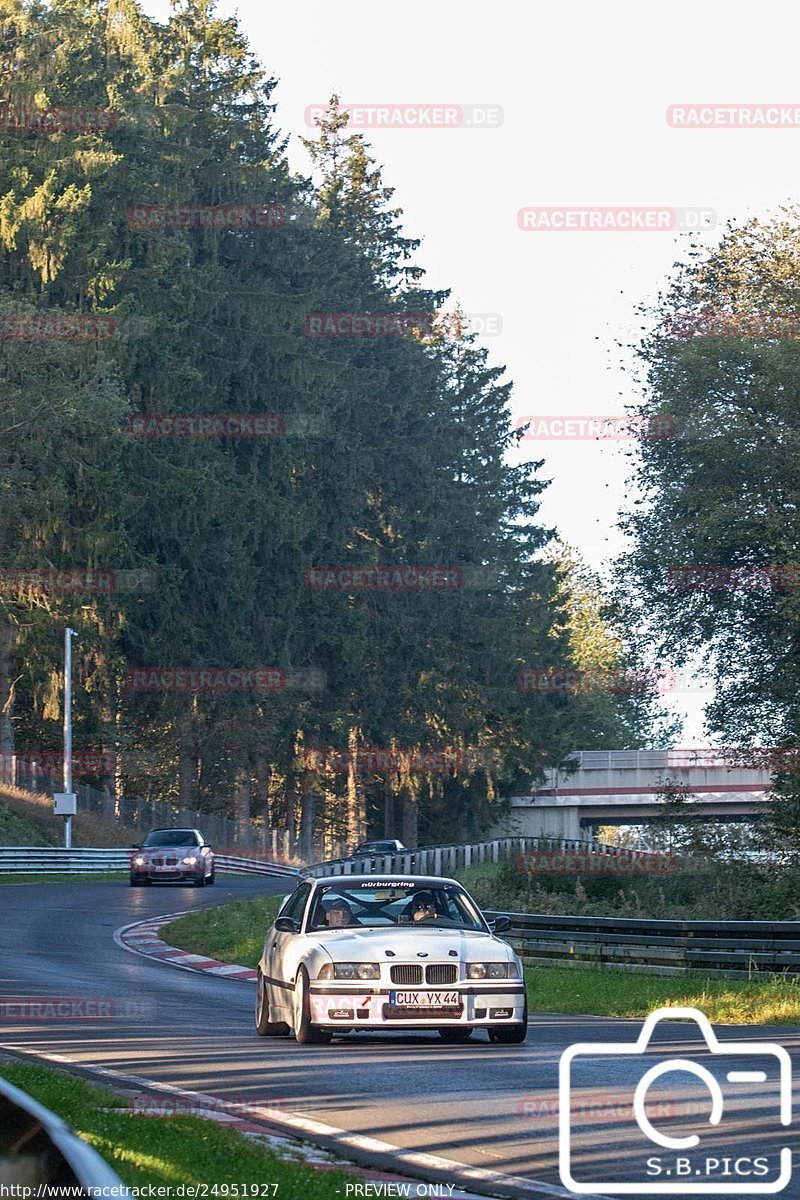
180	874
342	1005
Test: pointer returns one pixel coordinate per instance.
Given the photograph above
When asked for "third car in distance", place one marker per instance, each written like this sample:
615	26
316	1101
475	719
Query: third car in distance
172	856
387	952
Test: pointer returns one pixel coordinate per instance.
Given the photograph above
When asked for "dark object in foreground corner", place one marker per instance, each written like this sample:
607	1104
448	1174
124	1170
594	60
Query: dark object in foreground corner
37	1149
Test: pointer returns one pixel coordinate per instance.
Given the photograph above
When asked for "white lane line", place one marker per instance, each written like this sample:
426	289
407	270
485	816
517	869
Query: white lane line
310	1127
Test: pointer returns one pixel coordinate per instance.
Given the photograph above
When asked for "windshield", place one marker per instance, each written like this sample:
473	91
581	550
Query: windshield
171	837
380	905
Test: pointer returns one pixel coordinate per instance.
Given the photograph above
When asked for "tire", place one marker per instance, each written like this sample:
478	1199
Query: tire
201	880
137	881
306	1033
449	1033
510	1035
212	879
265	1027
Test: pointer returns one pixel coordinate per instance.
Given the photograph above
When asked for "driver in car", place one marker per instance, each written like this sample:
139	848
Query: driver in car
337	914
423	907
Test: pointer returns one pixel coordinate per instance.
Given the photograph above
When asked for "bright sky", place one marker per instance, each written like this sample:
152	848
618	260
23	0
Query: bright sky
584	89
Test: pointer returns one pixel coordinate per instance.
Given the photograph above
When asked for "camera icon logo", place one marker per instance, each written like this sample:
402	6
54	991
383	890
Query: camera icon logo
679	1171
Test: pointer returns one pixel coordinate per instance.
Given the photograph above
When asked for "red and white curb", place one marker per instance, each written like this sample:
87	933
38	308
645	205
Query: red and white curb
142	938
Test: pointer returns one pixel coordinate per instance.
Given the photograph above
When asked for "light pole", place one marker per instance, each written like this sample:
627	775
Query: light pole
69	634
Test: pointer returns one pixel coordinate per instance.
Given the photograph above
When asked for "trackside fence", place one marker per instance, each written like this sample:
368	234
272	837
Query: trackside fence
657	947
55	860
439	860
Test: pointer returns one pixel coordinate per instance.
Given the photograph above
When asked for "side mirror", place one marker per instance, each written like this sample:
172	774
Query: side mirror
287	925
500	924
136	846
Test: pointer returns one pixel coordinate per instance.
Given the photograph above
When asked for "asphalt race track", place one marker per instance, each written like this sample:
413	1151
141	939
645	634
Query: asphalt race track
484	1106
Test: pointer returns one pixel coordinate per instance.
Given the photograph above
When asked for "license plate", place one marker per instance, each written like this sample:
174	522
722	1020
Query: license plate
424	999
169	867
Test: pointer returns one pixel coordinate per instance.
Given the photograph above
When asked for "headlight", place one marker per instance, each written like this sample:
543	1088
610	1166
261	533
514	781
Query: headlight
191	860
139	861
492	970
350	971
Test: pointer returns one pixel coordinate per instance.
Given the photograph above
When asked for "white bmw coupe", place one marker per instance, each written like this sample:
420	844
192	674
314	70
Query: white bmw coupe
387	952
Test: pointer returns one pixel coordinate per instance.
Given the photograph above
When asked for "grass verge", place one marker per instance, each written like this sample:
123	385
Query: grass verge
168	1151
232	933
760	1000
235	933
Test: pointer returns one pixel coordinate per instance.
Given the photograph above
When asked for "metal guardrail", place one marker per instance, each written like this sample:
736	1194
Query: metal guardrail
56	860
667	947
438	860
38	1149
235	864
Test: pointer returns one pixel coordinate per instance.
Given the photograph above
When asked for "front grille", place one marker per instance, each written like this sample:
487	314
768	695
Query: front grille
392	1012
441	973
407	973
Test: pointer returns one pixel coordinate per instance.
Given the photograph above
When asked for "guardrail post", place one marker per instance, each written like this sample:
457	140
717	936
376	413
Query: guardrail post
467	855
437	861
495	851
405	866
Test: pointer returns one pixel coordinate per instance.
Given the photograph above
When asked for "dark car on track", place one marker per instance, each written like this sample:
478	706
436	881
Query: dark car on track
382	846
172	856
376	851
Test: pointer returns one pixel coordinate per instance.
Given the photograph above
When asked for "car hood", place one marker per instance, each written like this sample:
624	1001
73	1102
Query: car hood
371	945
168	851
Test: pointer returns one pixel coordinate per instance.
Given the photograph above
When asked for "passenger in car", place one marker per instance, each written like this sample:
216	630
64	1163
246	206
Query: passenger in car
338	914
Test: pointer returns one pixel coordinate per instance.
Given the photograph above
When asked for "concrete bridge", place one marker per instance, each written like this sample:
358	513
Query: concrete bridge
623	787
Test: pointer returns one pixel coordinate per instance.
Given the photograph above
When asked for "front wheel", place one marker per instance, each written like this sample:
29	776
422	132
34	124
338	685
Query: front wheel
306	1033
212	879
265	1027
511	1035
